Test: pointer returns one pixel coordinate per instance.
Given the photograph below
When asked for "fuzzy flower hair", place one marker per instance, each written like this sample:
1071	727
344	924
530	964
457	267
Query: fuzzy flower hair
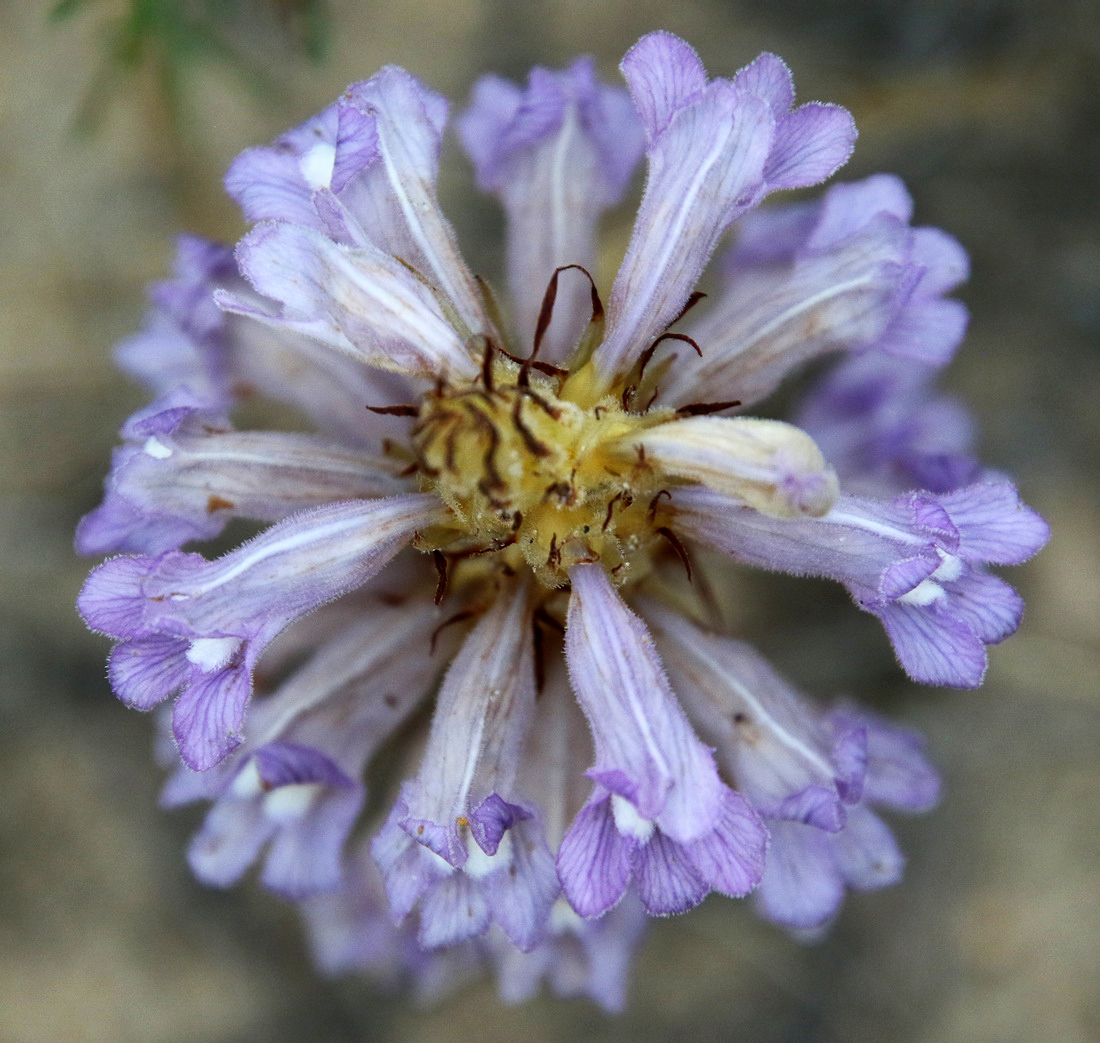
465	579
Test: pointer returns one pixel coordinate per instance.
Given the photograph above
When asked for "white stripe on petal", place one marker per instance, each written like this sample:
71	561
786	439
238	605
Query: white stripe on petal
481	720
409	120
645	747
388	317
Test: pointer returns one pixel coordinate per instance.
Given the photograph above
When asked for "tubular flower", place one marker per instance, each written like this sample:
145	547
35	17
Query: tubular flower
463	581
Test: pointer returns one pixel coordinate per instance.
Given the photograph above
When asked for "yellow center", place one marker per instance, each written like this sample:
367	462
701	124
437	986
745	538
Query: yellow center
528	469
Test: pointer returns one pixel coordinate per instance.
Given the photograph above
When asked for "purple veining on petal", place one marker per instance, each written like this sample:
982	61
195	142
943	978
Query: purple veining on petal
908	561
594	861
811	142
885	429
183	473
409	120
641	734
715	149
361	301
581	957
183	344
898	773
577	758
483	713
223	613
556	153
845	274
277	181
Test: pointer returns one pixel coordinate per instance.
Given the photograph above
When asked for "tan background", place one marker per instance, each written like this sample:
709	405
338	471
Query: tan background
991	112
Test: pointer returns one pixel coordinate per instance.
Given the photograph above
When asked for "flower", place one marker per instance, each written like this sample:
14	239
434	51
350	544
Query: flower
489	511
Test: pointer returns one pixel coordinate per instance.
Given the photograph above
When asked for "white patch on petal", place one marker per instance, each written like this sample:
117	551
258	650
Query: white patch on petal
627	820
479	864
564	919
316	165
212	653
247	782
951	566
286	805
924	593
155	448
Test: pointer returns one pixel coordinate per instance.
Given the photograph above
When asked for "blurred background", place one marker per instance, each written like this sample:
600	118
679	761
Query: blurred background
117	120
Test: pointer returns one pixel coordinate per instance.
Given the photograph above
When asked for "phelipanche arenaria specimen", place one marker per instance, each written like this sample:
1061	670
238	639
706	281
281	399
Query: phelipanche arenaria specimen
471	546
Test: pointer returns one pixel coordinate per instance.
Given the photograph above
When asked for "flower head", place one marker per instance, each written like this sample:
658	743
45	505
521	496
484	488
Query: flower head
465	562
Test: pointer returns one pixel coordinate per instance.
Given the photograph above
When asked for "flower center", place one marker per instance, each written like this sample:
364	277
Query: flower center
529	471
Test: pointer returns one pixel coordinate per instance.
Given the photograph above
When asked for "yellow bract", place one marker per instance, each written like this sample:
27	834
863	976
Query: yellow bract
534	473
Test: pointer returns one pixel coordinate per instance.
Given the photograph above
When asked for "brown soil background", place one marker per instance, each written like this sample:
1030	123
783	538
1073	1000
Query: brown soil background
990	109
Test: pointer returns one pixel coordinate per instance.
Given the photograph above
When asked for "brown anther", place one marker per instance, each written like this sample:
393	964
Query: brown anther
489	548
394	410
218	503
610	509
458	617
440	563
651	512
542	367
695	297
487	365
677	546
546	310
540	449
486	490
406	472
487	425
705	408
646	355
628	396
451	449
552	411
553	559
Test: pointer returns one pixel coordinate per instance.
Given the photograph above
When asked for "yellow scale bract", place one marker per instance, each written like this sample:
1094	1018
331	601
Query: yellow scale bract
530	471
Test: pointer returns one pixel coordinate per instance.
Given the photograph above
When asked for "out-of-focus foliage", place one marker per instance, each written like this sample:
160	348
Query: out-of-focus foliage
172	37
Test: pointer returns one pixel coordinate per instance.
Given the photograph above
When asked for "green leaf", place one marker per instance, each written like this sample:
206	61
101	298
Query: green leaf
65	9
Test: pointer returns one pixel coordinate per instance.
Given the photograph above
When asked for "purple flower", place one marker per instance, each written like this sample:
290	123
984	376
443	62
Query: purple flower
885	430
187	625
812	775
917	562
846	274
461	587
